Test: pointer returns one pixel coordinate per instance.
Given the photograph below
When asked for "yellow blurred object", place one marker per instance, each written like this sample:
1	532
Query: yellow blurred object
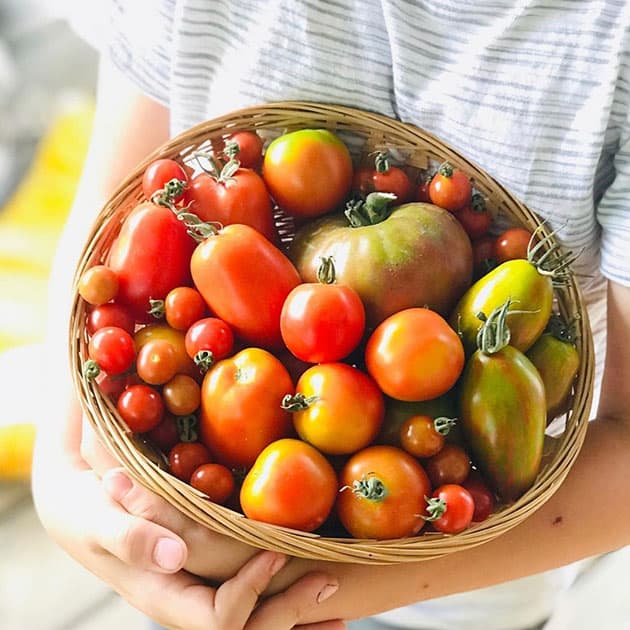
30	226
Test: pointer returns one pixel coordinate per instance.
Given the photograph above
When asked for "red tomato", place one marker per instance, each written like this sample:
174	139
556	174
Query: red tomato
112	349
165	434
151	256
245	280
320	321
236	195
337	408
422	191
209	340
382	494
241	410
308	172
414	355
484	259
246	147
482	496
475	217
423	436
513	243
98	285
183	306
215	481
185	457
110	314
291	484
156	362
141	407
450	465
450	509
159	173
450	188
382	178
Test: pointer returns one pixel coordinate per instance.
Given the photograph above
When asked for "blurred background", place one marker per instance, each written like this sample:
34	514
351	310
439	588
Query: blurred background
47	80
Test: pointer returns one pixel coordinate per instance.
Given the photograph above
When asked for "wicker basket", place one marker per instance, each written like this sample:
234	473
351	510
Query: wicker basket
366	132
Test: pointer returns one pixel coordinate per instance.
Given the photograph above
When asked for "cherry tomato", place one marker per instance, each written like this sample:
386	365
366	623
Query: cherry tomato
482	496
185	457
382	177
110	314
484	259
475	217
209	340
98	285
241	410
337	408
113	349
177	338
414	355
165	434
382	490
422	191
424	436
450	465
141	407
513	243
183	306
215	481
290	484
308	172
246	147
156	362
182	395
159	173
450	508
450	188
321	321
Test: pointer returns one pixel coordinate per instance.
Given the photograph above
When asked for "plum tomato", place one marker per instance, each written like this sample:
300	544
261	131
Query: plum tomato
159	173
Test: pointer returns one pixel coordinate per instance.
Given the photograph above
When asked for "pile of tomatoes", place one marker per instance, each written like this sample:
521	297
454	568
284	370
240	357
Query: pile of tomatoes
332	383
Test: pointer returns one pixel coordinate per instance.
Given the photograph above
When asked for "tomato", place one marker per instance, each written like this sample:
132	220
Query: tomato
156	362
234	195
290	484
483	255
336	408
246	147
151	256
183	306
482	496
110	314
165	434
112	349
382	494
241	410
245	281
512	243
424	436
98	285
382	178
208	340
308	172
414	355
215	481
379	260
450	509
450	188
159	173
184	364
450	465
186	457
475	217
422	191
182	395
141	407
320	321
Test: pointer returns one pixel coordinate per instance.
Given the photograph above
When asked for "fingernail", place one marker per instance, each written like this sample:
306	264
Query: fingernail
117	484
326	592
277	563
168	554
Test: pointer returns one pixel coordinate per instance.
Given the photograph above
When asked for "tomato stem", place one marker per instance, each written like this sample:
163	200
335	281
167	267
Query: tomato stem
381	162
372	210
156	308
91	369
187	428
204	359
444	425
370	487
446	169
494	334
552	261
297	402
326	271
436	507
199	230
166	196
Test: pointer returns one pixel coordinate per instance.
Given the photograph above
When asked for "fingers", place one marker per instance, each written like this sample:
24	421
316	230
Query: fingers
93	452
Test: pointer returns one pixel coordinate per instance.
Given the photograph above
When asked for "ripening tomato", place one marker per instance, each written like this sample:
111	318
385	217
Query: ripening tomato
290	484
156	362
450	509
159	173
141	407
382	177
414	355
241	406
308	172
337	408
184	364
424	436
113	349
246	147
182	395
450	188
98	284
183	306
185	457
151	256
215	481
245	280
511	244
451	464
382	490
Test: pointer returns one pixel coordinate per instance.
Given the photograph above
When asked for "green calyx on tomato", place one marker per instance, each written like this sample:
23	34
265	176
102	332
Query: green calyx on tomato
444	425
298	402
436	507
187	427
172	190
369	211
369	487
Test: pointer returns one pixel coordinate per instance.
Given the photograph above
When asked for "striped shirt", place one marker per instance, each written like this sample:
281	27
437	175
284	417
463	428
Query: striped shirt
534	91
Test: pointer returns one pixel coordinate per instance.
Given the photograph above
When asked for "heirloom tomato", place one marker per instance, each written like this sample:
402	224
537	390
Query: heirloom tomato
241	406
337	408
450	508
308	172
382	491
290	484
377	255
245	280
151	256
414	355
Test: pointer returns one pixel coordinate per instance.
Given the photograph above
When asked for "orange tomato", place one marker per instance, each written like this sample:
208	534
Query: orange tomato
184	364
